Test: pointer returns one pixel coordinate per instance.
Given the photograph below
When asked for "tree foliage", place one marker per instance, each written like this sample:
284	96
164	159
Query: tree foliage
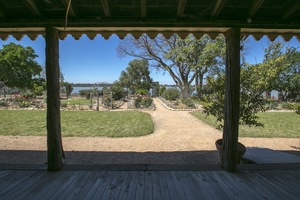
279	71
118	91
69	88
185	60
287	83
171	94
136	76
18	67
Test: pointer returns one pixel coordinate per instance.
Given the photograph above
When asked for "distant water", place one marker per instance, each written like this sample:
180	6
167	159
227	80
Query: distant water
77	89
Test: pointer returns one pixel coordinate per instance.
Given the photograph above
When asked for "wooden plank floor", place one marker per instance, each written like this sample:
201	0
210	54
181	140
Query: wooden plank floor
41	184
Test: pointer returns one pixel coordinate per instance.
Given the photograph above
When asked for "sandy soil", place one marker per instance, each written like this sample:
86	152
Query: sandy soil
179	138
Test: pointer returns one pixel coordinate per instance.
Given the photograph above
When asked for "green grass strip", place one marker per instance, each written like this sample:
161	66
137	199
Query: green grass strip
276	125
77	123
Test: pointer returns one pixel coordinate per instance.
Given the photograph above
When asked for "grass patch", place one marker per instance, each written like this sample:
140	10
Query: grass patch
77	123
276	125
77	101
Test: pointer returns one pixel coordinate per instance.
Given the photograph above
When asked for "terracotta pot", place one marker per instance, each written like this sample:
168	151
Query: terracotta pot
240	150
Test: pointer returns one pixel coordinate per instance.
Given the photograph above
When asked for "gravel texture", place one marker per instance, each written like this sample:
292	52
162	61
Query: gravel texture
179	138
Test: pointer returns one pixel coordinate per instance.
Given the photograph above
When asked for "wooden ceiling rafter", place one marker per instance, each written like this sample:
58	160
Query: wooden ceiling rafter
290	11
217	8
33	7
71	9
255	7
105	7
174	17
181	7
143	8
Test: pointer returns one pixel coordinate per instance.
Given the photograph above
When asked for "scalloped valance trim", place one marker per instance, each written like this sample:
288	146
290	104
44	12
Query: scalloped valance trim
152	32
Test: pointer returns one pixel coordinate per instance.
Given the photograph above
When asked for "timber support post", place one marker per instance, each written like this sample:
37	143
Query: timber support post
54	140
232	100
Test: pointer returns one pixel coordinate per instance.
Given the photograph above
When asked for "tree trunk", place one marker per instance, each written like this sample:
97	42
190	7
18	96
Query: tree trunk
54	140
232	100
185	90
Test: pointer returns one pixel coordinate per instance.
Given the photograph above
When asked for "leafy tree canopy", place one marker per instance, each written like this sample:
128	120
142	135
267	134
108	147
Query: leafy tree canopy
185	60
136	76
18	67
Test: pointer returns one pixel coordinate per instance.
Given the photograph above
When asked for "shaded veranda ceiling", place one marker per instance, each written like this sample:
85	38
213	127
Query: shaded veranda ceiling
121	17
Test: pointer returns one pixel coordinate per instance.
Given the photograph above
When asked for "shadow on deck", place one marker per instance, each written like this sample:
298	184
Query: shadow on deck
140	181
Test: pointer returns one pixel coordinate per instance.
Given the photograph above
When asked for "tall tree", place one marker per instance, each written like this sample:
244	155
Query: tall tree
183	59
287	82
18	67
280	70
136	76
209	59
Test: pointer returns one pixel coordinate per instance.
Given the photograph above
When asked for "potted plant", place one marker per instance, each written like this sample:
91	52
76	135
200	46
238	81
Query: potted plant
251	102
241	149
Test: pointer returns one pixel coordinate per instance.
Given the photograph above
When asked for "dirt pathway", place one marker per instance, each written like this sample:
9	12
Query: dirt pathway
179	138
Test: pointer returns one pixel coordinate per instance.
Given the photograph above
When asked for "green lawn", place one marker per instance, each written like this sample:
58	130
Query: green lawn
77	102
77	123
276	125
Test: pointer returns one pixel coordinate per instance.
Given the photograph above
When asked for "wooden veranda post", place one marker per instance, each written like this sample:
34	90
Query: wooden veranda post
232	100
54	140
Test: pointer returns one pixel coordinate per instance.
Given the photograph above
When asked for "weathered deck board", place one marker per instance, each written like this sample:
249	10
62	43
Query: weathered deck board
135	188
100	184
35	184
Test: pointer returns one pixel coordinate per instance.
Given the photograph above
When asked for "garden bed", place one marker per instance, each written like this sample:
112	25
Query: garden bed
178	105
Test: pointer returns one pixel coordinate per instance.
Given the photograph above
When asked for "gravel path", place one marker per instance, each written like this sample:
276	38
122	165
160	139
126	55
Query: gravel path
179	138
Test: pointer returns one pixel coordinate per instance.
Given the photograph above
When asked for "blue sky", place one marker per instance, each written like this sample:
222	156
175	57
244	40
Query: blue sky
90	61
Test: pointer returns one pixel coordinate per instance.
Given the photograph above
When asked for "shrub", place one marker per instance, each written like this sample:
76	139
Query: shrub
3	103
64	105
137	102
118	92
146	102
85	93
142	102
141	91
189	102
291	106
171	94
298	109
162	89
23	104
